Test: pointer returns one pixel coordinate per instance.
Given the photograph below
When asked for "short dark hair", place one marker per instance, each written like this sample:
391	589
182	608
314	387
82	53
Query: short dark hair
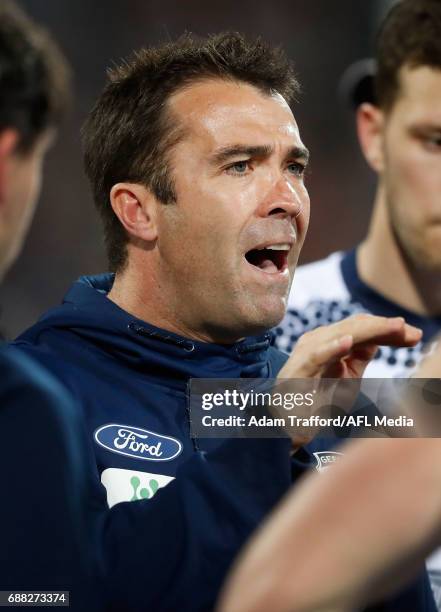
34	77
127	135
409	36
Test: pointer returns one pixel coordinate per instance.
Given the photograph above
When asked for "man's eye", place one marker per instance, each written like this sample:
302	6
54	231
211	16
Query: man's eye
296	168
433	141
239	167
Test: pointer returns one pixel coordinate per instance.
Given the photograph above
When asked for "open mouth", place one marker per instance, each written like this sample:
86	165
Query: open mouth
270	259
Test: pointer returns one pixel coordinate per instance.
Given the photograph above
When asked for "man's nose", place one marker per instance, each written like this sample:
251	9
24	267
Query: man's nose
283	199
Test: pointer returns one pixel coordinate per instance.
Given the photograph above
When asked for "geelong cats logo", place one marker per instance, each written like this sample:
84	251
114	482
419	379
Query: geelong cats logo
325	459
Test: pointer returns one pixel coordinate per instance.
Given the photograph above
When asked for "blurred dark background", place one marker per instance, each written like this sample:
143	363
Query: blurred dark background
322	37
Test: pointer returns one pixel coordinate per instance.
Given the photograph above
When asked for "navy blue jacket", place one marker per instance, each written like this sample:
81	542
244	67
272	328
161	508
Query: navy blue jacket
45	521
197	501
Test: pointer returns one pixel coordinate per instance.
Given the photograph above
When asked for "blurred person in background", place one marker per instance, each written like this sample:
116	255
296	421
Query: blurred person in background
396	270
197	166
43	473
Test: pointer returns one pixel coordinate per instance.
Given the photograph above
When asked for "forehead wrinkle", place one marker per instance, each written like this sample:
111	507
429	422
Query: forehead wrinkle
209	119
219	95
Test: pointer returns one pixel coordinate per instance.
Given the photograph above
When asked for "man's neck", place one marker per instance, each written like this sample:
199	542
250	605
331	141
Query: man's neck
154	305
130	295
383	266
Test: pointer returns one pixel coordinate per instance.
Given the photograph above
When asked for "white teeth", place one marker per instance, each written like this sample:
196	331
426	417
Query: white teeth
277	247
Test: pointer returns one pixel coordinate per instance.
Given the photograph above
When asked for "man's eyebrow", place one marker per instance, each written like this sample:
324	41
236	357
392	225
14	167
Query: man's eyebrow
226	153
422	128
298	153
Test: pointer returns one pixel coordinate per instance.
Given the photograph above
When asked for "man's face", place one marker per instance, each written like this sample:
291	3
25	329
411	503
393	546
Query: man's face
20	188
230	244
412	166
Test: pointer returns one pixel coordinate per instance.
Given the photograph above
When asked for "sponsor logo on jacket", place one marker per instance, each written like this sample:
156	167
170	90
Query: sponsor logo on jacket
129	485
325	459
137	443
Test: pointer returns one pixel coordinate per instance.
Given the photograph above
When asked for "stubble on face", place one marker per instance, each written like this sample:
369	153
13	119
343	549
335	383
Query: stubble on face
224	210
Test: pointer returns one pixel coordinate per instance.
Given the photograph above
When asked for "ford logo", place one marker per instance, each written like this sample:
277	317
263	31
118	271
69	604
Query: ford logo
137	443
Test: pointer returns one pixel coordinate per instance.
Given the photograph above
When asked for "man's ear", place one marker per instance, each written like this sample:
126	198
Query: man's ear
8	142
370	125
135	207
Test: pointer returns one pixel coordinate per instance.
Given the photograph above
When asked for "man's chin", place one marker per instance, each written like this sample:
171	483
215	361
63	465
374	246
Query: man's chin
427	260
264	319
252	317
423	251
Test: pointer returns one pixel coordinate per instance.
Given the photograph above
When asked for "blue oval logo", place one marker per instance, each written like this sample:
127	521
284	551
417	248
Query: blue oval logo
137	443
